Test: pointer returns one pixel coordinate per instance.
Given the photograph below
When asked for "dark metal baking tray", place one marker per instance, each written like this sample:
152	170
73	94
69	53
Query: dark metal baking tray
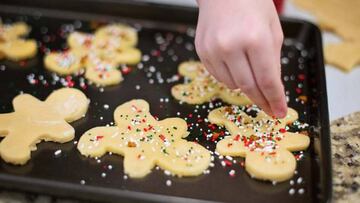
302	63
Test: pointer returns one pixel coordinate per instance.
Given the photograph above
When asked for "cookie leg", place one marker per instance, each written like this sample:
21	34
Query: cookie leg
16	151
5	119
185	159
138	164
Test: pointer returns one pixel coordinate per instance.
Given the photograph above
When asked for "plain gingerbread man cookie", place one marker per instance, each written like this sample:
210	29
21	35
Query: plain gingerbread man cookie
145	142
33	121
12	46
263	141
203	87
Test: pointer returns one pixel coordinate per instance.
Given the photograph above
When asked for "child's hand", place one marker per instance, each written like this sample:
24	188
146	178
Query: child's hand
239	42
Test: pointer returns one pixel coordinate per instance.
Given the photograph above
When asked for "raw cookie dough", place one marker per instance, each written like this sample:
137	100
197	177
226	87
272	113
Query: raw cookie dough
203	87
65	63
127	35
145	142
100	54
342	18
102	71
12	46
33	121
263	141
344	55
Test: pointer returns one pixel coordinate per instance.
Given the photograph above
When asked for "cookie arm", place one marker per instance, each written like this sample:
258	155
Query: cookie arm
97	141
5	120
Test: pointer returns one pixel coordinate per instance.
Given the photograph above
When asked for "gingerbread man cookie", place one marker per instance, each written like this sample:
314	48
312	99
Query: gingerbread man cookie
262	140
12	46
203	87
34	121
99	54
145	142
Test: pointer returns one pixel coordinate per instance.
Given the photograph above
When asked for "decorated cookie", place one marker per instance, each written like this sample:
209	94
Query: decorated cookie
13	31
12	46
123	35
100	55
18	49
65	63
102	70
203	87
80	40
145	142
263	141
34	121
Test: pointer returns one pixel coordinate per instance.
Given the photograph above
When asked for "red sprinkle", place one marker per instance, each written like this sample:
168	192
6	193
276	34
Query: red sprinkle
99	137
237	138
301	77
282	130
227	162
125	70
162	137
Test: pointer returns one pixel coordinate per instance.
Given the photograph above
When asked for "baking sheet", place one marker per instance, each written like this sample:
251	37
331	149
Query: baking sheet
73	175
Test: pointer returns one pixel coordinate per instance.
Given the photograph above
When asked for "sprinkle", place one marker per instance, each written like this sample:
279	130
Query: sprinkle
82	182
299	180
103	175
232	173
168	183
292	191
106	106
301	191
57	152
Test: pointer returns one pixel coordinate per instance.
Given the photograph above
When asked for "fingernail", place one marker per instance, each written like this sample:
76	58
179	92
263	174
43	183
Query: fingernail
280	112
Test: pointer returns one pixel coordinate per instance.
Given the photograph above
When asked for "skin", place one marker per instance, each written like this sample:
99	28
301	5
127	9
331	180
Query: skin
239	42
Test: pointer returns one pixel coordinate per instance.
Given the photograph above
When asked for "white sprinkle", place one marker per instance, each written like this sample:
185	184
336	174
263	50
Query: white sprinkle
82	182
299	180
301	191
101	118
274	182
292	191
101	89
137	87
168	183
292	182
125	177
167	172
57	152
232	172
110	167
103	175
106	106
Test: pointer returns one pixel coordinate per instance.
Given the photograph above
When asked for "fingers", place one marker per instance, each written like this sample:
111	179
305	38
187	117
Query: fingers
244	79
278	38
215	66
267	75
